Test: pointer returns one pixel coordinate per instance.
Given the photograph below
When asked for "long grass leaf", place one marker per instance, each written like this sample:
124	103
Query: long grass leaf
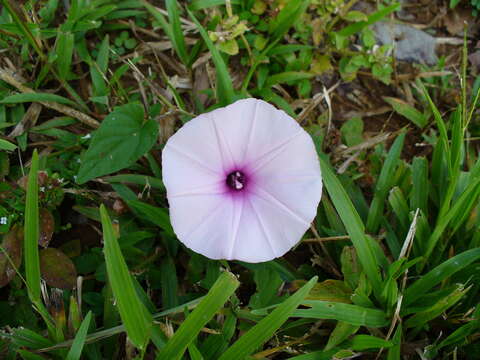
353	224
220	292
287	17
225	92
383	185
134	315
264	330
35	97
32	262
438	274
77	346
176	29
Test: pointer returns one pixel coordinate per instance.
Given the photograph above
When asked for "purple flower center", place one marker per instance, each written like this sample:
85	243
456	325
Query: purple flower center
236	180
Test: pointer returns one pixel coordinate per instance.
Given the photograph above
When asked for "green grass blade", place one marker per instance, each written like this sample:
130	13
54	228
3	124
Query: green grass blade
220	292
394	353
353	224
373	18
265	329
408	111
24	28
6	145
442	128
205	4
288	16
438	274
35	97
288	76
458	212
134	315
176	29
225	92
76	350
422	317
156	215
351	314
420	185
64	49
384	183
32	262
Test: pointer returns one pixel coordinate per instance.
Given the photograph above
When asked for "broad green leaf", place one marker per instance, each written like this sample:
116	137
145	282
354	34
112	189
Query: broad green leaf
134	315
36	97
76	350
264	330
32	262
220	292
408	111
123	137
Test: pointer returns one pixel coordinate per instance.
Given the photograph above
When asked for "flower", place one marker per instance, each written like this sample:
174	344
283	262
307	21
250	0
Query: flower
243	182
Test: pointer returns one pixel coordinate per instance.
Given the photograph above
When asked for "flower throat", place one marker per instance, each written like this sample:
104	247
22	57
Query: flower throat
236	180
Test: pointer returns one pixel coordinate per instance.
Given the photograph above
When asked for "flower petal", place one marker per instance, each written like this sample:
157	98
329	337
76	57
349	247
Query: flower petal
202	223
190	159
298	185
283	190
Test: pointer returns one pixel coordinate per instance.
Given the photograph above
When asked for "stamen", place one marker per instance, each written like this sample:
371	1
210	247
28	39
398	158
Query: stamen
236	180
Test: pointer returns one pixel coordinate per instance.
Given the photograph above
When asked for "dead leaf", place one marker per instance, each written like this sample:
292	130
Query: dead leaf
57	269
12	245
47	226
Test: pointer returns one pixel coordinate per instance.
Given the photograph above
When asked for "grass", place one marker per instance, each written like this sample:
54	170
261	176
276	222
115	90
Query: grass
90	90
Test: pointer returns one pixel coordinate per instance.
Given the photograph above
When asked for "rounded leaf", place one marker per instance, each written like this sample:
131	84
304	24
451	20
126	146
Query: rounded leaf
57	269
12	244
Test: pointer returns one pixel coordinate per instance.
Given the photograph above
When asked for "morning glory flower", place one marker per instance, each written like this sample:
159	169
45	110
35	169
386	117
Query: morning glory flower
243	182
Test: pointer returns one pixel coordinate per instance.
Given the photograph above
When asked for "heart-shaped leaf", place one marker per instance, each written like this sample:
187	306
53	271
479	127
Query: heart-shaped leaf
57	269
122	139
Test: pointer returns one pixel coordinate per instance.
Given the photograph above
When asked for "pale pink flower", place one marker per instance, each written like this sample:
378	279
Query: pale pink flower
243	182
